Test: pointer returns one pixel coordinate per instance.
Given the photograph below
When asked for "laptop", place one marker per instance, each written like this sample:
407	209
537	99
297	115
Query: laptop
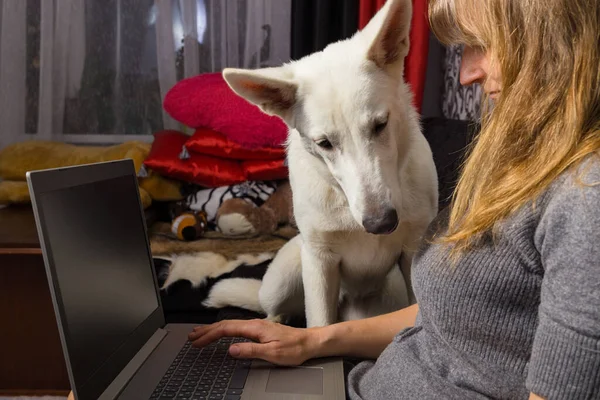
105	292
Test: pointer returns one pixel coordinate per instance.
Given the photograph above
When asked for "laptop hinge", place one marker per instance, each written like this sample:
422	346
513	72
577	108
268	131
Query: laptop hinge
121	380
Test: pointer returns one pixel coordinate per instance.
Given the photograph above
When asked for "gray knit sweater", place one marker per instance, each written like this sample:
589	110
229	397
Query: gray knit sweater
520	314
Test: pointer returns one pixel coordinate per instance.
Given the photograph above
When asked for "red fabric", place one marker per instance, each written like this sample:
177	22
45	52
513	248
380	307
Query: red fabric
265	170
204	170
206	101
367	9
207	170
206	141
416	62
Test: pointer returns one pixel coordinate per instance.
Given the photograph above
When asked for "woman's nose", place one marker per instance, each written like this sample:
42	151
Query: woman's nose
473	66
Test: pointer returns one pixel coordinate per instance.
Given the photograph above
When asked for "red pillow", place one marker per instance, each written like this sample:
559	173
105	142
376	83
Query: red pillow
206	101
265	170
204	170
206	141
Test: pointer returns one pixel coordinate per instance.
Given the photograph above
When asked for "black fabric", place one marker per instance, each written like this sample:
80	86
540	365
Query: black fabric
448	140
182	303
317	23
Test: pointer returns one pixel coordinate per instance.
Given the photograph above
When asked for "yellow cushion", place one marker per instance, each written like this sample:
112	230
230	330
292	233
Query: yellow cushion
17	192
13	192
146	199
17	159
160	188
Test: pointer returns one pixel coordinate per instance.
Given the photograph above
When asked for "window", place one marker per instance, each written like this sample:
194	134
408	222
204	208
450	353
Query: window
96	71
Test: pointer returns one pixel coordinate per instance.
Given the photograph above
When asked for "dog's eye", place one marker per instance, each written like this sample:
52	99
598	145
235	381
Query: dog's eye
380	126
324	144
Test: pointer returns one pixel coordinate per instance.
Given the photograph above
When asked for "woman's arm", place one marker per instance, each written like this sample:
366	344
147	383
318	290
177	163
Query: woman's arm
285	345
565	353
365	338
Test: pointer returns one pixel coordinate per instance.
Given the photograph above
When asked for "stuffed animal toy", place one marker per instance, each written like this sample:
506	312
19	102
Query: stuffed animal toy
17	159
189	225
238	217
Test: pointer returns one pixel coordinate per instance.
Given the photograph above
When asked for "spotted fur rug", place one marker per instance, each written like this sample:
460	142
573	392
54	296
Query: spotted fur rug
188	271
162	242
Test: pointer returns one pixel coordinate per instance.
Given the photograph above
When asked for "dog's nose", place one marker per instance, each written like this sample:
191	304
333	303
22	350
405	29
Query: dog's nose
382	225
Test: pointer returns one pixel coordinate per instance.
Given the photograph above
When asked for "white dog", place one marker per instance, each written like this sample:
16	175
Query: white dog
363	178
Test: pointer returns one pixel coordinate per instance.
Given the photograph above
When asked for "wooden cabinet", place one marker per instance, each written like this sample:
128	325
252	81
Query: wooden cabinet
31	358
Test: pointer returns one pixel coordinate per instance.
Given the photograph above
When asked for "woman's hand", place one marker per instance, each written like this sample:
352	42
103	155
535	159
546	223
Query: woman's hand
283	345
278	344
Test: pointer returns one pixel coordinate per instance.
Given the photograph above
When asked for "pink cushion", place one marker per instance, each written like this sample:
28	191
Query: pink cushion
206	101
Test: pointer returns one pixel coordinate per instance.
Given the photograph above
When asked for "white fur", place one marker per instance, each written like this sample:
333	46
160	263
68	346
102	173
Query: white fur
335	268
282	292
236	292
198	267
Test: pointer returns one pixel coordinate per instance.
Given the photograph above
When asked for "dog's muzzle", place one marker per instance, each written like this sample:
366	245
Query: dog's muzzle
384	224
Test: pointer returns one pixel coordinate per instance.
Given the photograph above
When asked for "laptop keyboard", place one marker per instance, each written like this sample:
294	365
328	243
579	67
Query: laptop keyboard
209	373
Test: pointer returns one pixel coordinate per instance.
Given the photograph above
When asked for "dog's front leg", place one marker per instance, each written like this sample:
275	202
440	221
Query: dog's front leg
321	279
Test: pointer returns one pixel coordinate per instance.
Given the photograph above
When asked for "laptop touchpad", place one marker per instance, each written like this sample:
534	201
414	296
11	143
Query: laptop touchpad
300	380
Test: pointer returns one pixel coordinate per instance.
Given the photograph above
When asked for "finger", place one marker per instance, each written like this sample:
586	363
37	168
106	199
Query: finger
202	330
246	329
252	350
209	333
199	331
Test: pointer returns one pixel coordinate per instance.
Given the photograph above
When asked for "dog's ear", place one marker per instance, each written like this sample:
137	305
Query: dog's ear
391	28
264	88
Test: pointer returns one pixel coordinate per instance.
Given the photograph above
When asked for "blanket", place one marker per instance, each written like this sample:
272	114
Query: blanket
187	271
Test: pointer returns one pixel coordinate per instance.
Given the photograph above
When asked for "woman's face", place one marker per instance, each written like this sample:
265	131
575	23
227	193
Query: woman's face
477	68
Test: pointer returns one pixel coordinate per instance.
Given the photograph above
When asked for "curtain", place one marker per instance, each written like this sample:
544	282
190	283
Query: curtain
89	70
367	10
416	61
317	23
214	34
248	34
12	67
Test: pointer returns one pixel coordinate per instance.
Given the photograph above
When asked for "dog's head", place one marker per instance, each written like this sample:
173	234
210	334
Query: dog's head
348	106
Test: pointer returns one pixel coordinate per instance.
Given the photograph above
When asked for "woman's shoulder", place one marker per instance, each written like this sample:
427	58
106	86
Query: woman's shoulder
573	199
577	184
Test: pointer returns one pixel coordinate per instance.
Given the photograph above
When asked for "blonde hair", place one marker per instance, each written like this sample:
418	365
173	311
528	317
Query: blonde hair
547	118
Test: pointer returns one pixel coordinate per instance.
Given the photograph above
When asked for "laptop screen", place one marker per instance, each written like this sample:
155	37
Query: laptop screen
97	245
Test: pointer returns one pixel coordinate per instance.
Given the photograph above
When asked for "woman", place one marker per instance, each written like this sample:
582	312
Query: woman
508	286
